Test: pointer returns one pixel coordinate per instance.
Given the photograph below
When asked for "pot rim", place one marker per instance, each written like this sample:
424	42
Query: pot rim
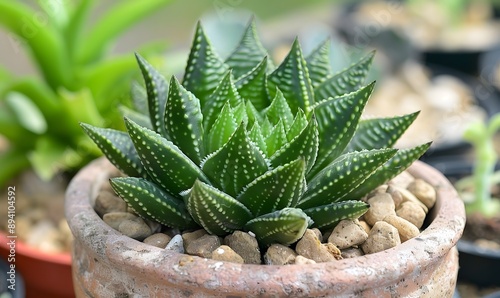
441	235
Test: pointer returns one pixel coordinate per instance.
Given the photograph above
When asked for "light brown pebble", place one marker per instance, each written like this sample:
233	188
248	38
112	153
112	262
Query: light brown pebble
203	246
347	233
365	226
318	234
189	237
135	228
406	229
310	247
159	240
397	197
409	197
352	252
278	254
402	180
108	202
245	245
424	192
381	205
382	236
300	260
114	219
380	189
225	253
412	212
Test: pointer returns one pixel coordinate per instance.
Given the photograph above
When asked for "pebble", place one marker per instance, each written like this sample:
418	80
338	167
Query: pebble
135	228
381	205
108	202
159	240
310	247
406	229
382	236
153	225
176	244
225	253
45	236
352	252
397	197
278	254
412	212
300	260
365	226
347	233
203	246
189	237
402	180
424	192
114	219
409	197
245	245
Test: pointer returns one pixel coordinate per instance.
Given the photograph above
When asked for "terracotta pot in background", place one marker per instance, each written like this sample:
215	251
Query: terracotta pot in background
45	275
109	264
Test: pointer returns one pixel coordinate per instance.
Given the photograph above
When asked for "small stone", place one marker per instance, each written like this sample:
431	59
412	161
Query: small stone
406	229
278	254
365	226
189	237
135	228
397	197
424	192
176	244
300	260
382	236
114	219
108	202
203	246
310	247
225	253
381	205
352	252
379	190
159	240
402	180
412	212
245	245
318	234
409	197
45	236
347	233
333	250
106	186
153	225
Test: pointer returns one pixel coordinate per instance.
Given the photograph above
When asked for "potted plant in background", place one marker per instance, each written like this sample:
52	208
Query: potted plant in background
242	145
78	81
480	247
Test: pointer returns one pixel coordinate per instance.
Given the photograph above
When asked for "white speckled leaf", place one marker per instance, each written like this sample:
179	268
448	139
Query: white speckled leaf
252	114
156	89
118	148
253	86
284	226
328	216
345	81
276	139
135	116
151	202
279	110
240	114
223	128
266	127
337	122
256	136
139	98
276	189
217	212
183	121
236	164
342	176
204	68
318	63
164	162
298	124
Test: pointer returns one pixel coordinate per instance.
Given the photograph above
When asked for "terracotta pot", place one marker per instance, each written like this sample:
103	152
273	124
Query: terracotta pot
109	264
45	275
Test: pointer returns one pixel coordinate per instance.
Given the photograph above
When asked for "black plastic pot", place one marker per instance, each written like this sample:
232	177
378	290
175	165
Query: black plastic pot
18	292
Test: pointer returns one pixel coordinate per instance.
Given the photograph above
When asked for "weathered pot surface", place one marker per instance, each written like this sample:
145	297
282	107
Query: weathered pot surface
108	264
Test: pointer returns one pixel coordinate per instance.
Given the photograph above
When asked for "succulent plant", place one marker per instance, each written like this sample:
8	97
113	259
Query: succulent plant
244	145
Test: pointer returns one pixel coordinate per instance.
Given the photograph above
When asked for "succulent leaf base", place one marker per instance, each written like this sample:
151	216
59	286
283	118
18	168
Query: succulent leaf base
243	145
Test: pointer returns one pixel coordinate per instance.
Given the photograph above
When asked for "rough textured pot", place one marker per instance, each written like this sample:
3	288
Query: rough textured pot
108	264
45	275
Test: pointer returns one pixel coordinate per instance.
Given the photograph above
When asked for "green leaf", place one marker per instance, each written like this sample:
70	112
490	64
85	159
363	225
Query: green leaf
225	125
292	78
256	136
217	212
318	63
27	113
276	189
266	127
253	86
137	117
118	148
284	226
240	114
328	216
139	98
337	121
280	110
225	92
164	162
298	124
151	202
345	81
183	121
394	166
252	114
304	145
204	68
342	176
47	158
157	90
276	139
380	132
236	164
248	53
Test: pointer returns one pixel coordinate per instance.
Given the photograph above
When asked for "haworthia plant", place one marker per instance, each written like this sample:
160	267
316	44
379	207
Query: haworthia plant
241	145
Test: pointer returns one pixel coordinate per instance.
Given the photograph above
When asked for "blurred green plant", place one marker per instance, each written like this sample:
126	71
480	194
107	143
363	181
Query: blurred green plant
481	136
78	80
